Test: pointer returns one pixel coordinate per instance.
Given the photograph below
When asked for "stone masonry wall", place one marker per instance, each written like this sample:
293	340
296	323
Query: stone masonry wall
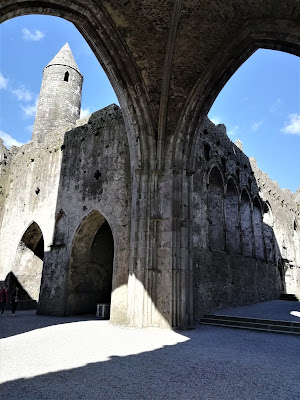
245	239
59	101
31	193
95	175
57	184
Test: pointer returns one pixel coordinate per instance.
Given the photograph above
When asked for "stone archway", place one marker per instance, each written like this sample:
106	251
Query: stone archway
116	60
91	265
277	35
97	27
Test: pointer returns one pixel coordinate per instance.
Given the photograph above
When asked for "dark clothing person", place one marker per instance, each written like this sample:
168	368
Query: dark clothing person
14	301
3	299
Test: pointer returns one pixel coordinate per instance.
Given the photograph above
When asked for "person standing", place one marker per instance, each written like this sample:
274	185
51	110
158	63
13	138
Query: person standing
3	299
14	300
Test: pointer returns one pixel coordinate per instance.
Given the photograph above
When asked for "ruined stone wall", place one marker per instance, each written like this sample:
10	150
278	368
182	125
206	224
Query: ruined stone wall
245	241
95	175
5	159
30	196
245	228
57	184
283	209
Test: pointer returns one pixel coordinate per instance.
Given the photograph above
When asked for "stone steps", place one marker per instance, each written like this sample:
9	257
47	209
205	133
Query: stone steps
288	297
256	324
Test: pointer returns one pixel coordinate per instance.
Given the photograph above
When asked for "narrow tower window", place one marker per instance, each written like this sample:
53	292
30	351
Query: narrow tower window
66	78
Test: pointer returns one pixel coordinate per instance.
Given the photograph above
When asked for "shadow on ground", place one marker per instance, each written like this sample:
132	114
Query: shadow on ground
26	321
212	363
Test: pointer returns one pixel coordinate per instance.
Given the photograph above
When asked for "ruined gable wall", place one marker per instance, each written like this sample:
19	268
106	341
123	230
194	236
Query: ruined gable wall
239	264
285	227
84	169
31	193
94	175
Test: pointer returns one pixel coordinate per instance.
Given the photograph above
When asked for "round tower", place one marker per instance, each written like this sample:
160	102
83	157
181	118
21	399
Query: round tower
60	95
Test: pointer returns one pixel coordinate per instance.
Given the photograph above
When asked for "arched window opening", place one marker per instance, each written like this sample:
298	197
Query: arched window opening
246	225
28	265
268	232
91	267
232	218
258	230
66	77
33	240
215	210
206	149
223	163
237	172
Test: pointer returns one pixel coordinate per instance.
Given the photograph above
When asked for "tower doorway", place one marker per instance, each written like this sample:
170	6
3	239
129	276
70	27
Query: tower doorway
91	266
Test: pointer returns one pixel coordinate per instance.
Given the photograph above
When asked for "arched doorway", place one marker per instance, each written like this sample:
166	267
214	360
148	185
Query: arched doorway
28	265
91	265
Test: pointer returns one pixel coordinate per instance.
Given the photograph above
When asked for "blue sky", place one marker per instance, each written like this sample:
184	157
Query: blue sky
260	104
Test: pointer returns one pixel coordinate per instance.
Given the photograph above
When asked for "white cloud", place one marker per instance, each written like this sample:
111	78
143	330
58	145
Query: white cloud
275	106
3	82
22	94
84	112
233	131
216	120
293	125
9	140
33	35
256	125
30	110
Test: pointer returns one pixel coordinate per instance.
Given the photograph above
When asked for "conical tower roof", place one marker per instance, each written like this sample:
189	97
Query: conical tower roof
64	57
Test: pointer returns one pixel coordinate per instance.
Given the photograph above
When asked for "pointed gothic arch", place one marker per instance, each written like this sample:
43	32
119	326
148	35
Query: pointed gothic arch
34	240
115	58
280	35
28	264
268	223
91	265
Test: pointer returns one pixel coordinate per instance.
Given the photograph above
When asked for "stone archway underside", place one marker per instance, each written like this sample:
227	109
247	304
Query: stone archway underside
167	61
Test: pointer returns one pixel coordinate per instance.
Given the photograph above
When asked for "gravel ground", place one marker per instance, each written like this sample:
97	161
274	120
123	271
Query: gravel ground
84	358
275	309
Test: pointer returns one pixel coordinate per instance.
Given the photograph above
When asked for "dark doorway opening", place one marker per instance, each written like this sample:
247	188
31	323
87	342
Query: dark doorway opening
91	268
